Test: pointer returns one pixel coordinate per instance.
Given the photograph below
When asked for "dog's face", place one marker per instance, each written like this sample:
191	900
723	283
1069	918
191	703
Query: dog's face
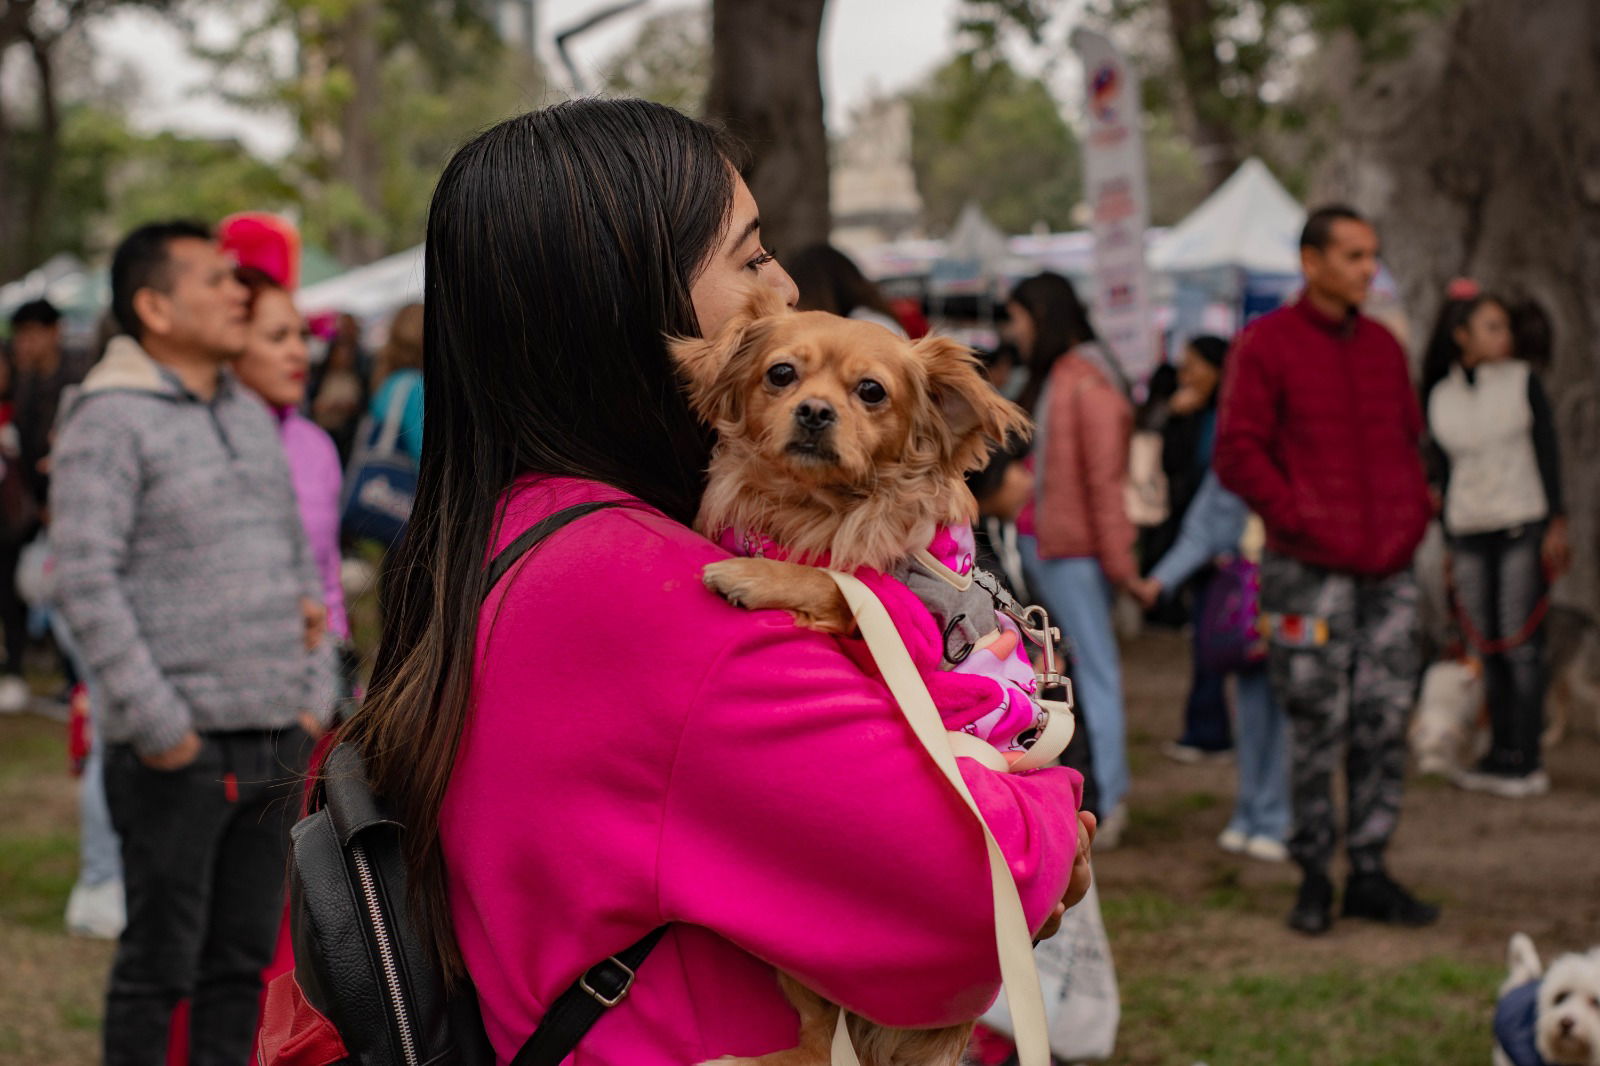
840	404
1568	1027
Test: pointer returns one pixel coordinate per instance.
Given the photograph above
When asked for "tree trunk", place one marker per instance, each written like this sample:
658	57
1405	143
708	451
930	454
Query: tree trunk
766	87
1478	154
47	152
359	163
1192	25
14	16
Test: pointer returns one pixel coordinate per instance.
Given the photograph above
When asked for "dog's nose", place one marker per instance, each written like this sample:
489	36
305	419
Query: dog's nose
1567	1025
815	415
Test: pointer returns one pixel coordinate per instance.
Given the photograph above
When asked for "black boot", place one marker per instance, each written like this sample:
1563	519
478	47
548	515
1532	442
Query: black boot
1313	907
1376	896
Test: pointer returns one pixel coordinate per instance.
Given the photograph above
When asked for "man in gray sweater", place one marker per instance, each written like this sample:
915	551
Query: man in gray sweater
184	574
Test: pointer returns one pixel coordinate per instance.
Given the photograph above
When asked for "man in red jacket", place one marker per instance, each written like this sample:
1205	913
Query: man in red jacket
1319	433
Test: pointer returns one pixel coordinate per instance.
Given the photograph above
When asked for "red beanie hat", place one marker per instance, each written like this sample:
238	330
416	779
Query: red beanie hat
268	242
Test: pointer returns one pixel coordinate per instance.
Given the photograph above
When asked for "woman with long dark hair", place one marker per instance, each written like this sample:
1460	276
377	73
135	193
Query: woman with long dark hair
1077	541
1498	474
604	747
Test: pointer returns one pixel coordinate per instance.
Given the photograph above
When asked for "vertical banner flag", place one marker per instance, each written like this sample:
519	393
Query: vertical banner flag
1118	196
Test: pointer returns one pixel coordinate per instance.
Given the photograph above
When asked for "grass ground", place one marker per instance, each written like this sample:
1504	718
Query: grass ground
1208	973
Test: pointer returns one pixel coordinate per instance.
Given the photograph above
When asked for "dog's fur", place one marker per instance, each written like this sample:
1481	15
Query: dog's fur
866	490
1446	718
869	489
1567	1032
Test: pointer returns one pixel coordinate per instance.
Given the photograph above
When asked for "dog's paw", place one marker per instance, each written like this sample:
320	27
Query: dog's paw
740	581
808	594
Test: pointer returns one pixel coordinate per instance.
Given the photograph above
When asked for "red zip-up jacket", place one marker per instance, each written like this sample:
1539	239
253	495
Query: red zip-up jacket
1319	432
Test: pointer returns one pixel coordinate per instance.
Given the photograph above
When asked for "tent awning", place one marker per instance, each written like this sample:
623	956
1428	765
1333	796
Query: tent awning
1249	223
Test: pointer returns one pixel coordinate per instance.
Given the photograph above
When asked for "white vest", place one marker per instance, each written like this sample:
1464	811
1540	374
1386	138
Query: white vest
1486	430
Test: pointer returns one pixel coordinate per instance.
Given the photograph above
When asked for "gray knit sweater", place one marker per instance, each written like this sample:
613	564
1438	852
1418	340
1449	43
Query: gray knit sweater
180	556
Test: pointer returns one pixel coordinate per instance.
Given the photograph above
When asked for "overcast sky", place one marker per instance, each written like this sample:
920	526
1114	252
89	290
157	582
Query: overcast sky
868	46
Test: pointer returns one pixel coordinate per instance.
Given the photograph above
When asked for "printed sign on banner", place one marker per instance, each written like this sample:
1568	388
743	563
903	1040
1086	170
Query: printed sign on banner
1118	196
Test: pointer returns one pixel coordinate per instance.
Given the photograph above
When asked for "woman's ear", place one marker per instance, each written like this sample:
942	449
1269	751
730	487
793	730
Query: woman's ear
977	417
709	365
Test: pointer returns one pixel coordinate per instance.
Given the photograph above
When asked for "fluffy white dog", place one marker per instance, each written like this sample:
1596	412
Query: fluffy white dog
1444	726
1548	1017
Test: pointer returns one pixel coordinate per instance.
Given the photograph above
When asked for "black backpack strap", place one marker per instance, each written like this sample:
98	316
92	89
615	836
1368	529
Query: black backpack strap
539	531
602	987
606	983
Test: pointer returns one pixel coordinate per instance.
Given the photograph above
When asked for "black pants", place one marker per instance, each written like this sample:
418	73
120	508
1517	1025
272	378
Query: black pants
203	854
1499	579
13	611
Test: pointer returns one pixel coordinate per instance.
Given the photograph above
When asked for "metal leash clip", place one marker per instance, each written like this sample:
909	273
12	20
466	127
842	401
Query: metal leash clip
1035	622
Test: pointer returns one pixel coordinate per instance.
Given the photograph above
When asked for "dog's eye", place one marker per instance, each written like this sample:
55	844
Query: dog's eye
780	375
871	392
1561	997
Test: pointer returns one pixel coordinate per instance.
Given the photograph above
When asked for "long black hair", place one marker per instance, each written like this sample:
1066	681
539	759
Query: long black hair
561	248
1060	323
1444	351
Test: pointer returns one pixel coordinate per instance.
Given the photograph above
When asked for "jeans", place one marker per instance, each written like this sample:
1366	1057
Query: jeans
1499	579
1078	597
204	850
1262	806
99	850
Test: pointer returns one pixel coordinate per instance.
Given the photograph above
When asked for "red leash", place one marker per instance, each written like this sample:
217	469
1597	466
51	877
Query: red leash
1476	639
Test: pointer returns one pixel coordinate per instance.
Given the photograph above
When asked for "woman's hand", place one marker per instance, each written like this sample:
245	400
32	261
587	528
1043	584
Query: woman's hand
1557	551
1146	590
315	617
1082	875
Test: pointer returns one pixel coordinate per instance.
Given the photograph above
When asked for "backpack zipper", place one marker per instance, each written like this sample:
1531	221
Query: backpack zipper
386	958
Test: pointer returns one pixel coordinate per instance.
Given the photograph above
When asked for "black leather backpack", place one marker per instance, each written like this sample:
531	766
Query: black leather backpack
366	989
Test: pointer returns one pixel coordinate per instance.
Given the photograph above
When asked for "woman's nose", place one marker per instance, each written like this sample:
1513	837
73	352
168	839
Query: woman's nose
779	279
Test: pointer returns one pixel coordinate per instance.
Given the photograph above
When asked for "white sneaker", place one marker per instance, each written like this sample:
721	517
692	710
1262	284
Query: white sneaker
1108	835
1190	755
1266	849
1506	786
1233	841
97	911
15	696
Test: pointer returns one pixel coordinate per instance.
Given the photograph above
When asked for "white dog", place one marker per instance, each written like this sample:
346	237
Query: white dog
1443	728
1548	1017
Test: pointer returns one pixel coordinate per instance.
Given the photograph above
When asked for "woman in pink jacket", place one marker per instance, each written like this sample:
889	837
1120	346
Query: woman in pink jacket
1077	541
604	747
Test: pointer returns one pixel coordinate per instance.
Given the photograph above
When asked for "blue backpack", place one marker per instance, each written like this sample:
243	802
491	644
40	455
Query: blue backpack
381	482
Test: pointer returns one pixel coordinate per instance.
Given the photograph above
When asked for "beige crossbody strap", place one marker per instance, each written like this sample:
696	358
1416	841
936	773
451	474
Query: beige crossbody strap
1012	936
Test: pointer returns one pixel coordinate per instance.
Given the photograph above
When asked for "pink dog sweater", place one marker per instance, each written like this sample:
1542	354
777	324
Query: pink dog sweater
979	674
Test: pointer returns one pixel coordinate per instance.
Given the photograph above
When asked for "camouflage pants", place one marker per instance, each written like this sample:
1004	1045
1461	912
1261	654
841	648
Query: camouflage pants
1344	658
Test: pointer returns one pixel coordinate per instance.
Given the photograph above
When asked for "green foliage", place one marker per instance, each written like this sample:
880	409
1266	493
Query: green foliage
1253	95
668	61
995	137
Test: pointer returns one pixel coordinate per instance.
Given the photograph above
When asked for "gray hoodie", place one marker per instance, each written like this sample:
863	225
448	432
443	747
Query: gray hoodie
180	558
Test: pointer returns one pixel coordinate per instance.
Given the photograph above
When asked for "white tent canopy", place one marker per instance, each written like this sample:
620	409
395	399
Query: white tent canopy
1249	223
373	290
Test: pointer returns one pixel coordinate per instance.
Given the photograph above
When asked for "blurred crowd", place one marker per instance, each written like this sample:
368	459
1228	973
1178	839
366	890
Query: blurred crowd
190	506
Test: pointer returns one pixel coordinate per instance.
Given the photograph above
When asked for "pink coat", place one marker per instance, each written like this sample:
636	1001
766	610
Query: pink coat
1083	433
640	752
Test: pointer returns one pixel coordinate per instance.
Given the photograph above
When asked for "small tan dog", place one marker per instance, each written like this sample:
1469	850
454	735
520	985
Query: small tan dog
840	441
848	445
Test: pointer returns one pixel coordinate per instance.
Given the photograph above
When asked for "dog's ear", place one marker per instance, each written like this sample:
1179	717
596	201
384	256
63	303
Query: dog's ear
1522	960
704	363
975	414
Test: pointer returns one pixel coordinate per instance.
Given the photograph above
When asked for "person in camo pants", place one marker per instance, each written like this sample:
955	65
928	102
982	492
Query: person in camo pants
1319	432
